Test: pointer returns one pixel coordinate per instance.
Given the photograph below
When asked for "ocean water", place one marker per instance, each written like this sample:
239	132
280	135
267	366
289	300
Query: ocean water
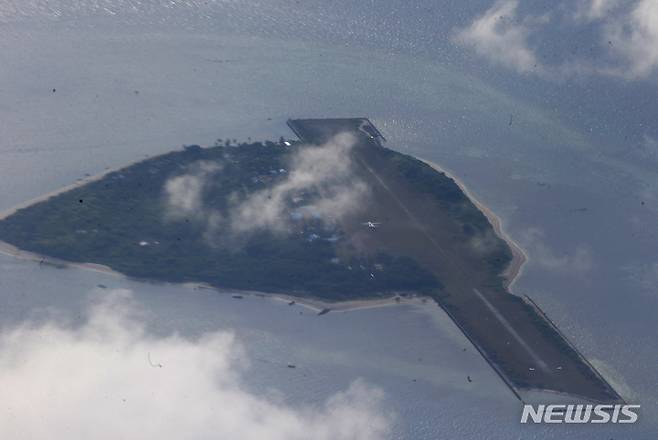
143	84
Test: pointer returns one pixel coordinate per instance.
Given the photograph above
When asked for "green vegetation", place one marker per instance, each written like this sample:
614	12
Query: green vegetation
121	221
237	216
459	207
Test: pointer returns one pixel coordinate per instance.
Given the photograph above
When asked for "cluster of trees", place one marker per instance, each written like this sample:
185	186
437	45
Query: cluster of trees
120	221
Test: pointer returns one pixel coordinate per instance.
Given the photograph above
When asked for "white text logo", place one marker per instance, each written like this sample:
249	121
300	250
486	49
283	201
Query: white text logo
581	413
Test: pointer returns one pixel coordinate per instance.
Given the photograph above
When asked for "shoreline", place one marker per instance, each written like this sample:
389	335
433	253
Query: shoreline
318	305
510	274
515	268
315	304
78	183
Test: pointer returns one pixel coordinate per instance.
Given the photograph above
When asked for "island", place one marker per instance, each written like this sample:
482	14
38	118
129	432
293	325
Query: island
333	216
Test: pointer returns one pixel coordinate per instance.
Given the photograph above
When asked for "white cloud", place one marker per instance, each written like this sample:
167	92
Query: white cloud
484	243
184	198
628	30
634	38
184	193
110	379
648	149
502	37
579	261
645	275
322	177
326	170
651	144
590	10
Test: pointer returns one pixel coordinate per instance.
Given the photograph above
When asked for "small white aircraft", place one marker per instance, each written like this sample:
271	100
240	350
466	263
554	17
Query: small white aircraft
371	225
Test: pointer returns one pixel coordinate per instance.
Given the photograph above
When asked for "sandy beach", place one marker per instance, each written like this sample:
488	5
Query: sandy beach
519	257
313	304
80	182
317	305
